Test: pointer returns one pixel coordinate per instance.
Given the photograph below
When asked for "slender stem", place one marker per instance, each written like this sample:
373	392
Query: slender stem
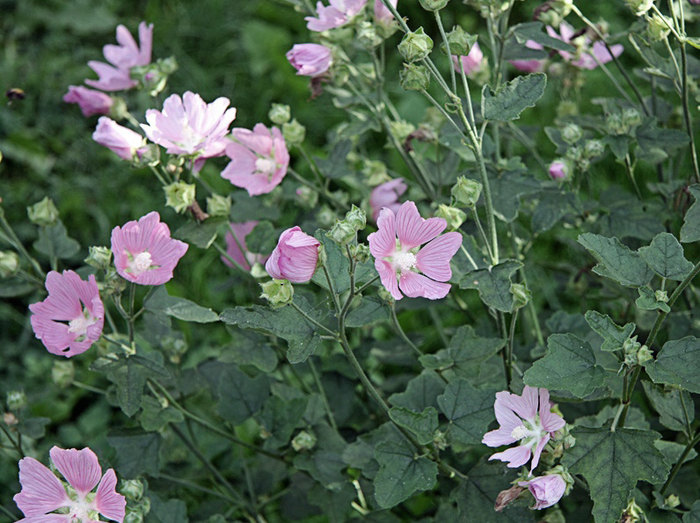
226	255
331	288
158	175
7	513
630	175
469	257
509	350
17	244
322	391
85	386
194	486
482	233
130	320
401	332
370	282
607	72
320	190
688	423
312	321
438	19
686	112
15	444
679	463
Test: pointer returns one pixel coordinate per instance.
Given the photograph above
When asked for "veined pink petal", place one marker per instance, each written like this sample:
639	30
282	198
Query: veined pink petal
416	285
382	14
550	422
241	230
295	256
110	78
515	457
433	260
146	41
386	195
383	242
524	406
538	451
547	490
272	266
387	275
498	437
42	492
326	18
107	501
47	518
80	467
413	230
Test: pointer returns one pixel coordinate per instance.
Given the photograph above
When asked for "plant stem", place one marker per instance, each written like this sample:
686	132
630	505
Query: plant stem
312	321
322	391
370	282
694	441
226	255
331	288
16	444
194	486
7	513
509	347
438	19
85	386
401	332
130	320
469	257
686	113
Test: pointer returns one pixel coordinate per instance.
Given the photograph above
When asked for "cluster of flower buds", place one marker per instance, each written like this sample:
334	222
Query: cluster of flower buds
345	231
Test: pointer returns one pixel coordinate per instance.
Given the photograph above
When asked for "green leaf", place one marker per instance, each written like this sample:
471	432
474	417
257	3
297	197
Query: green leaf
262	239
421	392
136	453
401	473
672	404
336	165
241	396
694	515
469	411
251	349
690	232
159	302
337	265
154	417
665	257
613	335
616	261
568	365
33	427
612	463
325	466
508	189
423	425
130	375
171	511
619	145
678	363
54	241
647	301
553	205
200	234
512	98
279	418
533	31
14	286
493	284
649	135
371	310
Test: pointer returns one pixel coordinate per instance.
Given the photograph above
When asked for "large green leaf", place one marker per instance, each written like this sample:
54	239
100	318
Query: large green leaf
694	515
493	284
199	234
512	98
612	463
421	392
171	511
690	232
613	335
402	472
678	363
241	396
136	453
371	310
280	417
423	425
672	404
508	188
469	411
159	302
665	257
568	365
54	241
616	261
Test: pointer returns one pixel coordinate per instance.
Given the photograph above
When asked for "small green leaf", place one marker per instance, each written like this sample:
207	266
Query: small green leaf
14	286
612	463
568	365
672	404
533	31
130	375
171	511
423	425
241	396
279	418
690	232
159	302
665	257
678	363
508	189
469	410
421	392
136	453
493	284
34	427
337	265
512	98
616	261
613	335
154	417
262	239
200	234
649	135
647	301
336	165
694	515
401	473
370	310
54	241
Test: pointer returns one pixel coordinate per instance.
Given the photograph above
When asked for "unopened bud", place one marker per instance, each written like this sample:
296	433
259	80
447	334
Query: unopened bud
133	516
452	215
43	213
9	419
179	196
631	118
466	192
672	501
433	5
307	196
99	257
367	35
644	355
278	292
360	252
16	400
633	513
356	217
559	170
9	263
304	441
342	232
615	125
133	489
415	45
521	295
571	133
460	41
375	171
593	148
325	216
414	77
401	129
639	7
63	373
279	114
293	132
658	27
661	296
114	284
217	205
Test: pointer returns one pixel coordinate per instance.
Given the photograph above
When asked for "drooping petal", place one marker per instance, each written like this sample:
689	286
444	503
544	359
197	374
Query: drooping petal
107	501
413	230
550	422
387	275
80	467
498	437
433	260
515	457
416	285
42	492
538	451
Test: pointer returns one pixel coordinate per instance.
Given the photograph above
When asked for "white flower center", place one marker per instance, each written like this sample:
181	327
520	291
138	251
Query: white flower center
80	324
140	263
405	261
80	512
266	166
529	429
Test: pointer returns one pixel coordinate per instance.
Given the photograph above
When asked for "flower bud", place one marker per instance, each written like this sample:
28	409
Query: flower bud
658	27
99	257
559	170
631	118
43	213
466	192
133	516
452	215
133	489
342	232
571	133
672	501
360	252
593	148
304	441
367	35
661	296
293	132
279	114
401	129
633	513
325	216
217	205
433	5
9	263
307	196
639	7
356	217
278	292
375	172
414	77
174	347
416	45
615	125
16	400
9	419
114	284
460	41
521	295
179	196
63	373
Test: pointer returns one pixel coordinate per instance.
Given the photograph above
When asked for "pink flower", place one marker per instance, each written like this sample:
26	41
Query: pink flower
583	59
382	14
386	195
144	252
336	14
547	490
189	126
398	264
125	142
90	101
71	318
259	159
529	66
294	258
523	419
43	493
558	170
310	59
472	62
233	248
117	77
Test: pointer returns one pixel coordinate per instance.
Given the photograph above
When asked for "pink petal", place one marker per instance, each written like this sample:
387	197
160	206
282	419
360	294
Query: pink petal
413	230
47	518
42	492
433	260
241	230
416	285
550	422
525	406
538	452
272	265
383	242
80	467
387	275
499	437
107	502
515	457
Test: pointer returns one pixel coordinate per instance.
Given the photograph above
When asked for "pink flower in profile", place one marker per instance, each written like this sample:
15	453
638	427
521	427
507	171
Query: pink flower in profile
125	142
558	170
294	258
117	77
310	59
472	62
144	252
189	126
71	318
398	263
530	66
547	490
244	258
90	101
43	493
259	159
523	419
583	59
386	195
338	13
382	14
